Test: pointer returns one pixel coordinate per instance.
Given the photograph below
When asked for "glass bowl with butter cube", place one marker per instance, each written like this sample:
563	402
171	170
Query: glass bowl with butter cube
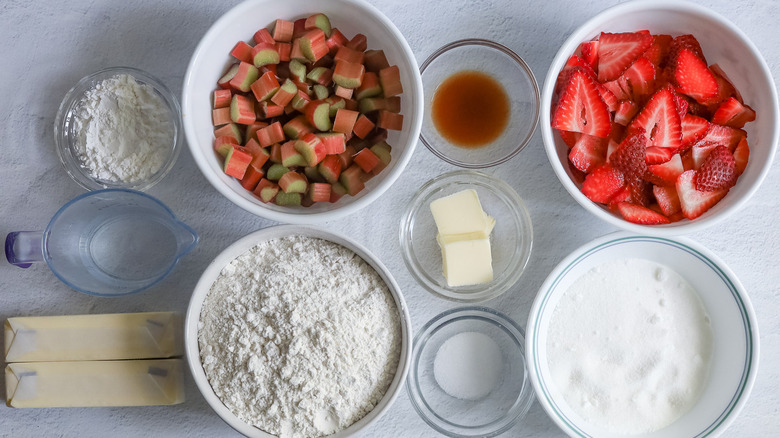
466	236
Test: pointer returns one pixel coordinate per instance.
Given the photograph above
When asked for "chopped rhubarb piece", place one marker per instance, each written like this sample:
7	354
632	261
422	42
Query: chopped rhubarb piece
337	190
242	110
369	86
359	42
313	174
299	28
230	130
366	159
252	176
223	144
265	54
388	120
276	171
244	77
334	142
336	103
285	93
288	199
283	30
349	55
242	51
291	157
382	150
318	21
335	41
348	74
260	155
390	79
340	91
224	81
330	168
236	162
271	134
318	114
313	45
293	182
352	179
346	156
220	116
297	127
363	126
375	60
345	121
284	50
265	87
296	52
222	98
276	153
319	192
297	71
312	149
263	36
371	104
266	190
300	101
268	110
320	75
732	113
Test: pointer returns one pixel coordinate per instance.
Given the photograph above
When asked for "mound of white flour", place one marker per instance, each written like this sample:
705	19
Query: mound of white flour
299	337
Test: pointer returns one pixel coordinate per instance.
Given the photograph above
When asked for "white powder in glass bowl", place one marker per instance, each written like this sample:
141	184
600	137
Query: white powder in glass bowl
299	337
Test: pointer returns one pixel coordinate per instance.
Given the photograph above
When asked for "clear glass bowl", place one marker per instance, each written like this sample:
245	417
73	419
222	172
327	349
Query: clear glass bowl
65	130
507	403
507	68
510	241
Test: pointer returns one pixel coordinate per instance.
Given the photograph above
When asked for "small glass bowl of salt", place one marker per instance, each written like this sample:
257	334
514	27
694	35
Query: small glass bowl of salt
468	375
119	127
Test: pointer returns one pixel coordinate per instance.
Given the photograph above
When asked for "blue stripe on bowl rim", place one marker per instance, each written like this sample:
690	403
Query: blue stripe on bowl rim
746	322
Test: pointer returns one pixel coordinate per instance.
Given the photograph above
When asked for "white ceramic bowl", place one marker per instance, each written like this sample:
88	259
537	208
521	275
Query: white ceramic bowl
211	273
723	44
212	56
735	350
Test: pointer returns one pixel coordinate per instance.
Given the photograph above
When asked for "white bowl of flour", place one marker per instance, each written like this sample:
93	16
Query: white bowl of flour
297	332
642	336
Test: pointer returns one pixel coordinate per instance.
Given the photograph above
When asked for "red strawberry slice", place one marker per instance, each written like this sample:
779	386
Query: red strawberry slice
680	103
741	154
732	113
623	195
694	202
617	51
581	109
660	119
658	155
722	135
641	191
718	172
629	157
726	87
640	215
626	110
588	152
617	89
590	52
570	138
666	173
693	129
684	42
602	183
639	80
693	78
667	199
574	62
608	97
658	50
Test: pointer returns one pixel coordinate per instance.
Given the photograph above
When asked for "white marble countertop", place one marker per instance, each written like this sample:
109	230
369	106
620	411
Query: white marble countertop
49	45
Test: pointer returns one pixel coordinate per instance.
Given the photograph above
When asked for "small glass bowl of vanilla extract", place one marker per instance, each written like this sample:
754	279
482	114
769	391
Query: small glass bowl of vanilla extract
481	103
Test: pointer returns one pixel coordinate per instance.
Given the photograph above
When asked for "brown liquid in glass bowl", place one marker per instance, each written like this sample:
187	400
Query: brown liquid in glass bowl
470	109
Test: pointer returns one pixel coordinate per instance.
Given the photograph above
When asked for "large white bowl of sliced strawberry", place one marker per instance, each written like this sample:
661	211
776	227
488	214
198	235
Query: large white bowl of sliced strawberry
660	117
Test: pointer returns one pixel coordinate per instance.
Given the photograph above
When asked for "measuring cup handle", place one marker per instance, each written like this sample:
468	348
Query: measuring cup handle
23	248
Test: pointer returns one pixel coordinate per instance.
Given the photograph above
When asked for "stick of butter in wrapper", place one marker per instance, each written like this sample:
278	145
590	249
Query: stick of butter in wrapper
94	383
116	336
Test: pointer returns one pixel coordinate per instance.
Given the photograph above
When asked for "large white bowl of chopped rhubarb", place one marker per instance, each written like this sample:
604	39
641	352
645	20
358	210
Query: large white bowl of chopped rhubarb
302	111
660	117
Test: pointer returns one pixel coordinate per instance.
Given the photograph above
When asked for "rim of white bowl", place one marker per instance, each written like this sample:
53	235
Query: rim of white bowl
709	258
303	217
212	271
570	45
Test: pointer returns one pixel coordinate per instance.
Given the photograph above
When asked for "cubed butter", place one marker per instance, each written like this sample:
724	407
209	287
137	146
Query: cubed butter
467	262
460	213
149	335
94	383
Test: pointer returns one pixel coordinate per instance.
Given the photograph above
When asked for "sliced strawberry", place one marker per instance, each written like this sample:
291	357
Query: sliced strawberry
641	191
639	80
732	113
658	155
666	173
693	78
718	171
612	146
684	42
590	52
694	202
574	62
659	118
741	154
658	49
687	160
602	183
680	103
617	51
588	152
570	138
608	97
581	109
617	89
699	153
623	195
693	129
667	199
640	215
722	135
629	157
726	87
626	110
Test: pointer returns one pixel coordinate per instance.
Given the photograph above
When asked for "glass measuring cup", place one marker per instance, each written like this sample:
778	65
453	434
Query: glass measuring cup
106	242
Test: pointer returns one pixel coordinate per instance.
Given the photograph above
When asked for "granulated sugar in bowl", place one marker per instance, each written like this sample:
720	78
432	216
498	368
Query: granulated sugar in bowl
294	332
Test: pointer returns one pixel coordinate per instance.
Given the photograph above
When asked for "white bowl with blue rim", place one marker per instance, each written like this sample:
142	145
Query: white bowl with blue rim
735	351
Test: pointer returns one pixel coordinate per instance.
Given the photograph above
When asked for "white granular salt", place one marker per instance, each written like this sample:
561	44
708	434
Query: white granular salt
629	346
299	337
123	130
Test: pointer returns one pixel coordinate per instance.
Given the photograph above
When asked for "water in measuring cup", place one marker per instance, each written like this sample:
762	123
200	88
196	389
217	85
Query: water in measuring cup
131	247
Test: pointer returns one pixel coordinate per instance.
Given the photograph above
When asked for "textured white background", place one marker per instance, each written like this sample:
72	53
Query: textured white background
48	46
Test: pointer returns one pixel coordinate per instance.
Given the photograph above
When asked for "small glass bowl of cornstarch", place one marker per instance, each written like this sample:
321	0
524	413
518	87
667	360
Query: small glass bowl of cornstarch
118	128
